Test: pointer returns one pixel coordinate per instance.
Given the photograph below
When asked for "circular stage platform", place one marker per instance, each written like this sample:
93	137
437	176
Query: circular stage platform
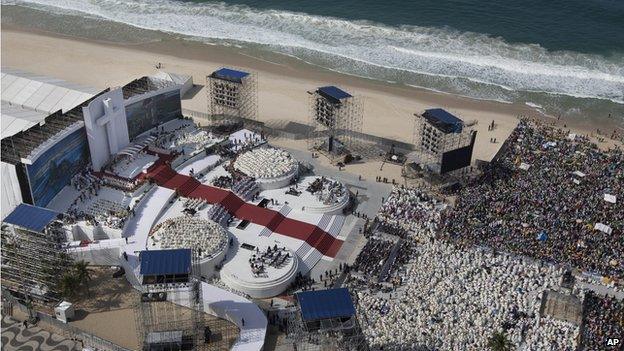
205	237
276	274
272	168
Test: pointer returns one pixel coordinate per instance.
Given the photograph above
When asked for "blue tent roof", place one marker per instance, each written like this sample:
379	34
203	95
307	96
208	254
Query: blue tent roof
166	262
443	120
229	75
333	93
323	304
31	217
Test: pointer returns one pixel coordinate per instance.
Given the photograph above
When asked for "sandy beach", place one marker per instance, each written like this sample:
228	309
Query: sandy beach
282	85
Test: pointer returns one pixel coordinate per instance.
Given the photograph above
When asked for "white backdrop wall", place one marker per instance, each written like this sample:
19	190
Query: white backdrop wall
11	193
106	139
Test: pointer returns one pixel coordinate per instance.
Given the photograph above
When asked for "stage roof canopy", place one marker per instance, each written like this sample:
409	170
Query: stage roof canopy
333	93
229	74
166	262
443	120
31	217
325	304
28	98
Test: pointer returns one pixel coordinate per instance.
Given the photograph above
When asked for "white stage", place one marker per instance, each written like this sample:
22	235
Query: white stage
132	167
237	273
307	202
157	206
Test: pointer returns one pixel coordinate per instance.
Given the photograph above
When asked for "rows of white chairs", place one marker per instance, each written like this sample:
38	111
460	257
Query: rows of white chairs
206	237
266	163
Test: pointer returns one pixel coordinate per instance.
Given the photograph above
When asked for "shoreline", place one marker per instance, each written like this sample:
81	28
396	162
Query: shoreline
282	84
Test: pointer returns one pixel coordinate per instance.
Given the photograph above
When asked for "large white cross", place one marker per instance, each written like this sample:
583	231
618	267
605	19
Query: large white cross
108	120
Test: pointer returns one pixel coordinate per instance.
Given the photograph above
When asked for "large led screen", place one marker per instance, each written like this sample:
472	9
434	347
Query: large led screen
54	169
150	112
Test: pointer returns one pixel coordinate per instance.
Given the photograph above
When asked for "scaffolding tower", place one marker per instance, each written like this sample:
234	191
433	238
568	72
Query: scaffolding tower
232	96
433	138
33	262
171	316
334	334
335	120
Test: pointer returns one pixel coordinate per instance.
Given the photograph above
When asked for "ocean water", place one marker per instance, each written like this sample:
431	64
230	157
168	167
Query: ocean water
562	57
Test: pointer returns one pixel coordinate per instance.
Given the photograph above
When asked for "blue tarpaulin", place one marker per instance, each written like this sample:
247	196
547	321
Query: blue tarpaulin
333	93
444	120
542	236
323	304
231	75
166	262
31	217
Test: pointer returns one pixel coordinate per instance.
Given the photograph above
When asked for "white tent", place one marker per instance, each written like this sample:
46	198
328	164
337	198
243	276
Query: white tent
11	193
184	81
28	98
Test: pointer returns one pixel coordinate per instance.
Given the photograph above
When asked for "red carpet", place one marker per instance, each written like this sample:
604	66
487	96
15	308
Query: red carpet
162	174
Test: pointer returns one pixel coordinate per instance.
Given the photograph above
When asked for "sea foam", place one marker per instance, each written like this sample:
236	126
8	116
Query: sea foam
368	49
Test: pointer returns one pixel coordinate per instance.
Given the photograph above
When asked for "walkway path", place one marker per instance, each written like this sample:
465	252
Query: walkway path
187	186
16	337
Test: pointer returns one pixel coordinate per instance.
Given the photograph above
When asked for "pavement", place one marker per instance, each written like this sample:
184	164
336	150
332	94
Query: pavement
16	337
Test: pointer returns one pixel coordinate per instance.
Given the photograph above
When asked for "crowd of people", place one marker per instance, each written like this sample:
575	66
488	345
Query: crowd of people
545	197
276	257
603	319
456	299
371	259
90	207
450	297
408	210
327	191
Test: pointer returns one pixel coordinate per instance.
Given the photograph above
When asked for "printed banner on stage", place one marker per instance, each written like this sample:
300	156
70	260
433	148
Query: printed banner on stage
151	112
54	169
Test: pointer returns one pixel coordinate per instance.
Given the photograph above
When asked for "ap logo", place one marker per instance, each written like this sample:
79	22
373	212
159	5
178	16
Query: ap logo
613	342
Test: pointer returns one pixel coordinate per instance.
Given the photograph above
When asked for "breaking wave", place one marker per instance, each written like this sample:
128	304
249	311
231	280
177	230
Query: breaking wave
467	63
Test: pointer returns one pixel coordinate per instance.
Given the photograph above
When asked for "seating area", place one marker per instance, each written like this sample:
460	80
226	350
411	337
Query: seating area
120	183
222	181
206	237
196	139
328	191
219	214
445	297
245	187
100	212
408	210
266	163
372	257
195	204
273	256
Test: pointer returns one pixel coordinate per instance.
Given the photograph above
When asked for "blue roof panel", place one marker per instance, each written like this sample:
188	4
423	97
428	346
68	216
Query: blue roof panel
334	93
166	262
444	120
323	304
229	74
31	217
